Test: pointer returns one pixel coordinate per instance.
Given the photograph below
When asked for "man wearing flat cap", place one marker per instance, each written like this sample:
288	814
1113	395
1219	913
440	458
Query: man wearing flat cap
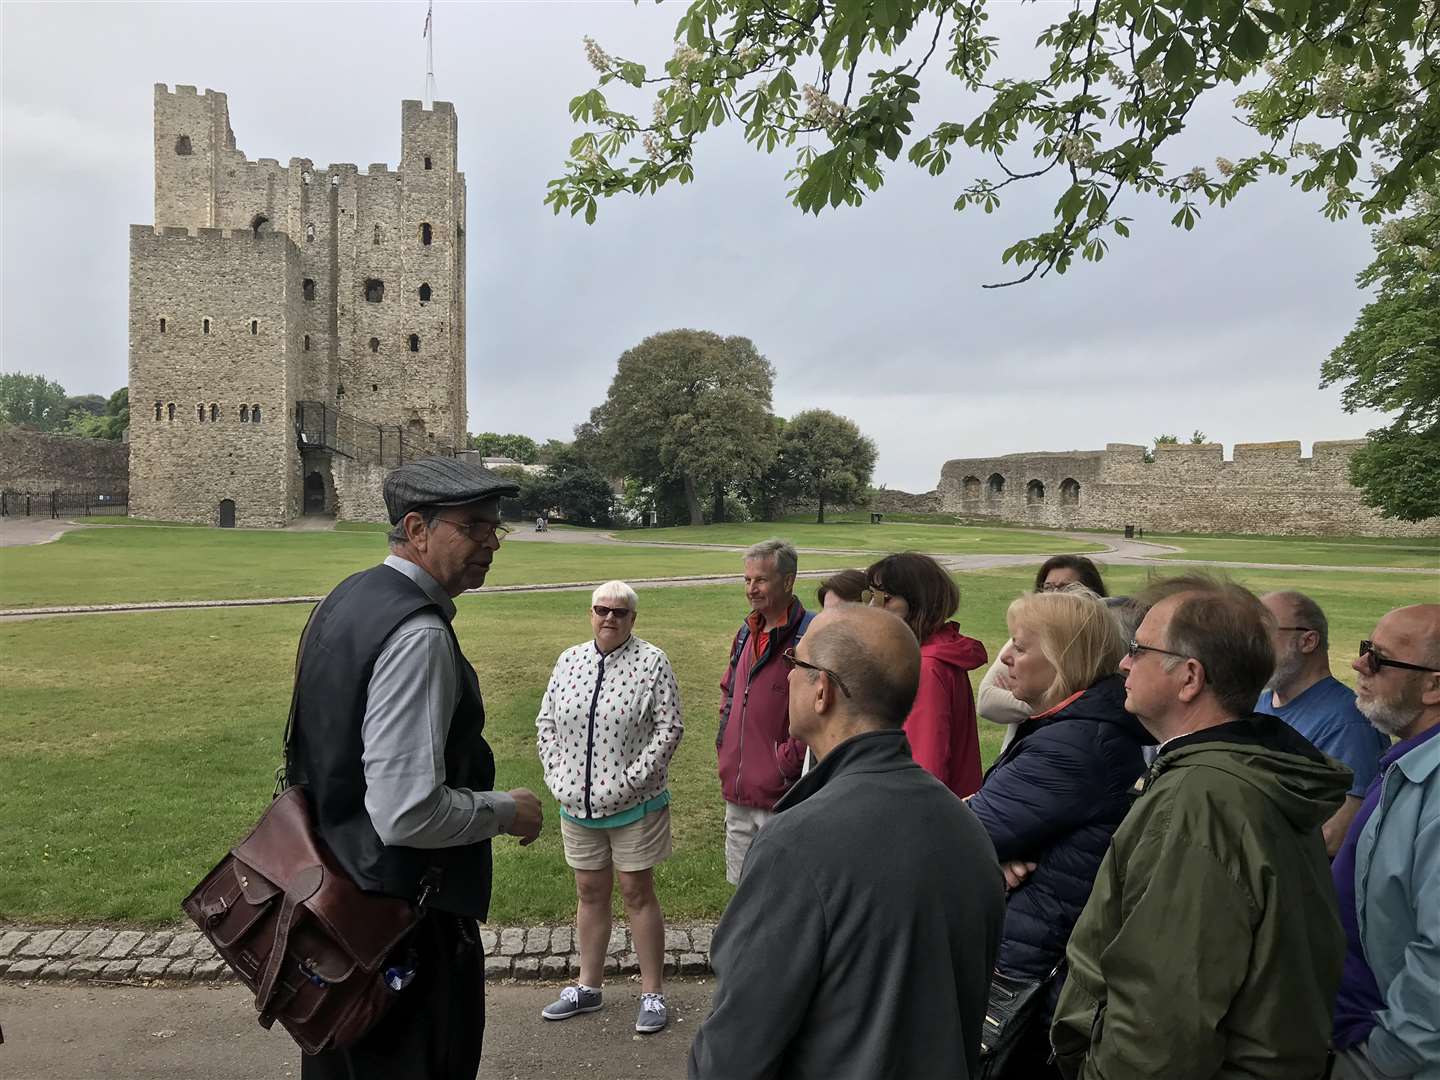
388	744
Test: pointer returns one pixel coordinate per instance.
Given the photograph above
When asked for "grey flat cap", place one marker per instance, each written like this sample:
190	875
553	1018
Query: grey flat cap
441	481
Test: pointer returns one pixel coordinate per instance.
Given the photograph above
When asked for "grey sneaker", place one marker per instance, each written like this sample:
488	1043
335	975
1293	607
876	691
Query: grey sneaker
651	1017
574	1000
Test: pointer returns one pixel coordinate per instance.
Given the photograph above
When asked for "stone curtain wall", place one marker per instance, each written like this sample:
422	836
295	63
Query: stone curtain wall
31	461
359	490
1267	488
376	322
894	501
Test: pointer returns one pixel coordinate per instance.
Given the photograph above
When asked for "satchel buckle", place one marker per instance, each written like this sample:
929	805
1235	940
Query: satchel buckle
429	886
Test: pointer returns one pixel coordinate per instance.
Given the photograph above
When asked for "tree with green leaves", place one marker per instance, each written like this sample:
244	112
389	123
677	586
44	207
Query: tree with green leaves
1390	361
826	459
31	401
1329	83
520	447
687	406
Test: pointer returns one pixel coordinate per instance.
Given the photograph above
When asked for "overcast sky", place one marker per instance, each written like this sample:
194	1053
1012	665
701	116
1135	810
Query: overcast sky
876	313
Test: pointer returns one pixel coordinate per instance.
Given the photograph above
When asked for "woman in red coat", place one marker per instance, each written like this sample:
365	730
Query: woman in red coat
941	726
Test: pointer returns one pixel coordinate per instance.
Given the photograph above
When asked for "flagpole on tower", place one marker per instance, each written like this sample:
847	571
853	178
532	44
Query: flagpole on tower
429	36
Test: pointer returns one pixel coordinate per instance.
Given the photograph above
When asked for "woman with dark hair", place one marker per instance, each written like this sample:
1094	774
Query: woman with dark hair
841	587
941	726
997	702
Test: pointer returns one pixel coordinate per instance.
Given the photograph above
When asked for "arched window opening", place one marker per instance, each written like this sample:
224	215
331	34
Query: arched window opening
170	410
214	412
307	288
205	325
254	327
255	414
425	292
200	413
162	326
182	146
995	486
158	409
971	487
258	222
310	232
1069	492
244	414
428	163
1034	492
377	235
374	344
425	233
307	342
374	290
414	342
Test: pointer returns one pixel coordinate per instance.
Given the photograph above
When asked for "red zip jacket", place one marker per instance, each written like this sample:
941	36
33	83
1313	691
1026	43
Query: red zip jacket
941	725
758	758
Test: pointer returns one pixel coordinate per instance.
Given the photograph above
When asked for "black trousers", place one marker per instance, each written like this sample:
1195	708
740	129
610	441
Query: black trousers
434	1030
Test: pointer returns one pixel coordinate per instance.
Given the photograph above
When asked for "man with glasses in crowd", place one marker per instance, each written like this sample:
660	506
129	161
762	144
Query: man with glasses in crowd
864	931
1387	874
1304	694
388	744
1211	945
758	757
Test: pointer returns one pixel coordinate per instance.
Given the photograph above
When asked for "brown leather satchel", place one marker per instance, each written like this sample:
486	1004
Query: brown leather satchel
284	915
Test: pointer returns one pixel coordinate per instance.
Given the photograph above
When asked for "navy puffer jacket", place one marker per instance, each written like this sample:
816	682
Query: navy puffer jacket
1054	798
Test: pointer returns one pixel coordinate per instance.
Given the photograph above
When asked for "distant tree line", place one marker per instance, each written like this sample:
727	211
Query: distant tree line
35	403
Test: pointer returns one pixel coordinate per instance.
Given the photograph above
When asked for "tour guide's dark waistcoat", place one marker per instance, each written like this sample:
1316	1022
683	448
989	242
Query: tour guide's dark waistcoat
346	636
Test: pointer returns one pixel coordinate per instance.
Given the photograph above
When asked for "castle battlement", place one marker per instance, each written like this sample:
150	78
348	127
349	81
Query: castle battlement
338	283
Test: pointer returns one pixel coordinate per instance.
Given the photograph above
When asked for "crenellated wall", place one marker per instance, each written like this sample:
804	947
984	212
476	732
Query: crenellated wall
369	296
1265	488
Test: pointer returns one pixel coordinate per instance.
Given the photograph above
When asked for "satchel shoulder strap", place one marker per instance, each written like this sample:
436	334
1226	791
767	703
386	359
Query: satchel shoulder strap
282	778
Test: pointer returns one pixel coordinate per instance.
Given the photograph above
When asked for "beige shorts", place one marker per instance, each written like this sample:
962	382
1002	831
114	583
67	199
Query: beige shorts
741	825
637	846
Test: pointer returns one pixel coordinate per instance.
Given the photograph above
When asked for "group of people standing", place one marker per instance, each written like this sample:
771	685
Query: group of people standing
1139	886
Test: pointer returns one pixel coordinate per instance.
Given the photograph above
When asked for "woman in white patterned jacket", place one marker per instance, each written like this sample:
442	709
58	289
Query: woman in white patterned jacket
608	727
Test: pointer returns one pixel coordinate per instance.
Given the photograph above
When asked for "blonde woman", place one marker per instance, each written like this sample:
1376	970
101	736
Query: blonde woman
608	726
1055	796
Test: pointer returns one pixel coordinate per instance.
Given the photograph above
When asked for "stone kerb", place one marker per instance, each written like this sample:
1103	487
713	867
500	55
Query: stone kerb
513	952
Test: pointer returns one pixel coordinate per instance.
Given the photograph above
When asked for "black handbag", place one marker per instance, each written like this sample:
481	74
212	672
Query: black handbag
1011	1011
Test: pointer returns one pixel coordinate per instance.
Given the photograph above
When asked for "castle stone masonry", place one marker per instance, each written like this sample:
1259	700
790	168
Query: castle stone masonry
260	286
1266	488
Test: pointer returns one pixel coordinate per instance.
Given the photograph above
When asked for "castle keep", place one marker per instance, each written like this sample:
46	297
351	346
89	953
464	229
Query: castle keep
293	329
1265	488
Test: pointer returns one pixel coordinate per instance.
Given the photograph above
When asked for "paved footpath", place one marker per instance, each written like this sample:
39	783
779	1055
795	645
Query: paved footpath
106	1032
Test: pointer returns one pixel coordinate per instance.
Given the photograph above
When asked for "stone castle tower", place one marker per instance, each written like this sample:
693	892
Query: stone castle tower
292	329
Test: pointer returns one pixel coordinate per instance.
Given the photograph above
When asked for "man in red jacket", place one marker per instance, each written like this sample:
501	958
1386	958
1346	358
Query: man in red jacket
758	758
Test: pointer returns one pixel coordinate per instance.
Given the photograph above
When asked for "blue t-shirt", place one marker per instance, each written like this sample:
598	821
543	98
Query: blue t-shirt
1326	715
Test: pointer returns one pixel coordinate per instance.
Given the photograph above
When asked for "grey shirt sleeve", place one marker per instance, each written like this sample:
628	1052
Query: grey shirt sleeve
412	696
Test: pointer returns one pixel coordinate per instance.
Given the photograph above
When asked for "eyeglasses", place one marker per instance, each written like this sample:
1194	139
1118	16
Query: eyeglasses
601	610
1134	649
479	531
792	661
873	595
1374	661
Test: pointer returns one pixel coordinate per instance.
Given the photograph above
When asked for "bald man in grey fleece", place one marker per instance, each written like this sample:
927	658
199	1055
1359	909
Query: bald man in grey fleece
861	939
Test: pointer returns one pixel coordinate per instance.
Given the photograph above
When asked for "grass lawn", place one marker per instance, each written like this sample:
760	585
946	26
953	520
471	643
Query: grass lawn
118	565
136	748
1316	551
948	540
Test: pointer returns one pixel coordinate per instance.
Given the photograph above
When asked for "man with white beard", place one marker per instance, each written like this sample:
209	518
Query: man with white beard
1387	874
1304	694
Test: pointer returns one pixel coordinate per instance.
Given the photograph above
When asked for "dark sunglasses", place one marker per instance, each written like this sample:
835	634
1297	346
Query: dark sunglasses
602	611
1134	649
792	661
1374	661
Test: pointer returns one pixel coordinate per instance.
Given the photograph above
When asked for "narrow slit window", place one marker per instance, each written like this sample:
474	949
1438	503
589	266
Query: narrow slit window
425	293
158	409
254	327
170	410
310	233
162	326
307	342
377	235
307	288
255	414
425	233
205	325
375	344
428	163
414	342
374	386
200	413
244	414
214	412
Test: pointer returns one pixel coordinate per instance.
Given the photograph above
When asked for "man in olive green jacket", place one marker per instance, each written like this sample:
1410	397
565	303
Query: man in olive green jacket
1211	945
